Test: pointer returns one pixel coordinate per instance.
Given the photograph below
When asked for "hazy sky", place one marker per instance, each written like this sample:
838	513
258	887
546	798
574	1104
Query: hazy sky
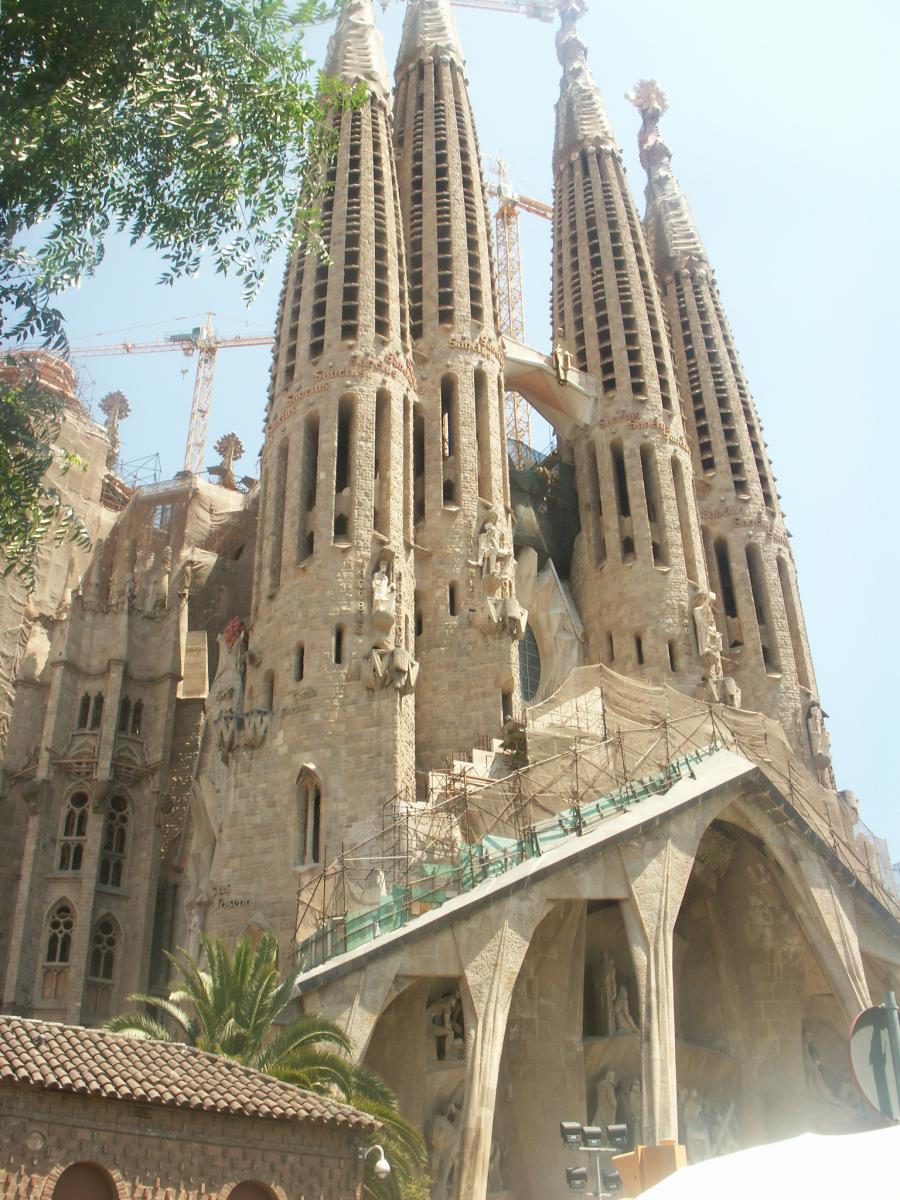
782	119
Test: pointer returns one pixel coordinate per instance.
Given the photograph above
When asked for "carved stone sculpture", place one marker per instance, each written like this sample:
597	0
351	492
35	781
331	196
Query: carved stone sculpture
444	1020
384	603
446	1128
494	553
562	357
632	1103
225	702
819	741
391	668
607	1102
709	640
624	1020
230	448
607	993
696	1129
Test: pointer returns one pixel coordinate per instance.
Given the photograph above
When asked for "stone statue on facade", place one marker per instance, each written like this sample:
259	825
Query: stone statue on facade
606	1104
624	1021
493	552
391	668
633	1105
606	993
444	1019
446	1131
226	694
384	602
562	357
696	1129
709	640
819	741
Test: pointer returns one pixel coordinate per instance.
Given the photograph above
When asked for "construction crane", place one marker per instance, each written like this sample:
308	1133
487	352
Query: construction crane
510	293
202	342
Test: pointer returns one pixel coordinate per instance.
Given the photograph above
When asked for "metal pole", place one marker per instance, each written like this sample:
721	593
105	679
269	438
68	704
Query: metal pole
893	1029
599	1191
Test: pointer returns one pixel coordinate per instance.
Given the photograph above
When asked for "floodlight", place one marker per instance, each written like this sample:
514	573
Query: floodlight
592	1137
618	1136
612	1180
570	1132
577	1178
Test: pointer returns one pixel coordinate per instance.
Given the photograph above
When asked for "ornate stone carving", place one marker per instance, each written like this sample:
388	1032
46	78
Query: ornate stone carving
624	1021
494	553
819	741
256	726
391	668
446	1129
696	1129
444	1019
384	603
606	1103
562	357
116	408
230	448
632	1104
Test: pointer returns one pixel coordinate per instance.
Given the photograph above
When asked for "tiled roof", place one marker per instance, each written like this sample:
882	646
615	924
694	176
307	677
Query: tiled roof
91	1062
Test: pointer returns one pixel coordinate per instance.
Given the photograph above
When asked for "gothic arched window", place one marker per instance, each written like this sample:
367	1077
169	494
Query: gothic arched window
84	711
309	818
124	714
59	934
112	847
529	665
73	833
97	711
137	717
103	951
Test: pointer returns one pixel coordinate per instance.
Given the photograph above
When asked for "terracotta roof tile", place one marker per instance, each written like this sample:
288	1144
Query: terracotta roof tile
93	1062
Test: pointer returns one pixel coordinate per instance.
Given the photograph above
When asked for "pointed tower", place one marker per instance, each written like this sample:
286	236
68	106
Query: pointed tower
748	556
330	649
638	573
467	618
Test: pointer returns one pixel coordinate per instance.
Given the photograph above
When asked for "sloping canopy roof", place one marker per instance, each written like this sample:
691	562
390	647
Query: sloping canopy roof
67	1058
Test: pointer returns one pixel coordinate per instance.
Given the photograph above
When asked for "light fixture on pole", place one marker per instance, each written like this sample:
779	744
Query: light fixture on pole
382	1167
594	1140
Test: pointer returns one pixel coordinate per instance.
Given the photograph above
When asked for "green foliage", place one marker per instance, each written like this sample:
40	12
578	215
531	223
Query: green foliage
232	1005
30	509
191	124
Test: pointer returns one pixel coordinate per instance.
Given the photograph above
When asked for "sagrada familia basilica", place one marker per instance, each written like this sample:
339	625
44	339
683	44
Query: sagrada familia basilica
523	757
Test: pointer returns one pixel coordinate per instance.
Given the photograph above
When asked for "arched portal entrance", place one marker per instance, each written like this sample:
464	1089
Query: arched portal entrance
84	1181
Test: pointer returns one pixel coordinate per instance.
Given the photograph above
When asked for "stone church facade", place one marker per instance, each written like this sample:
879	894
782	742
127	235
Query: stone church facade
527	764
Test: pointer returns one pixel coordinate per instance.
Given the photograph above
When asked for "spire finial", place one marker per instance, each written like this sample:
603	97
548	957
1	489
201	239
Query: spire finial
355	51
670	226
581	118
429	31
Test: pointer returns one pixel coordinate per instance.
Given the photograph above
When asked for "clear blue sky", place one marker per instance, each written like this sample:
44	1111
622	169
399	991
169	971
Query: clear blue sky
782	119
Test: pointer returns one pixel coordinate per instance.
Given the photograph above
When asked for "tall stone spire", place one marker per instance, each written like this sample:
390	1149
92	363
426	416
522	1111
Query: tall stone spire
331	653
747	551
466	614
638	572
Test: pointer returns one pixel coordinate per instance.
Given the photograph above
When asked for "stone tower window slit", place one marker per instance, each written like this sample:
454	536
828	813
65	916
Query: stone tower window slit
623	502
277	515
382	282
698	404
673	657
343	469
381	514
483	437
290	354
654	507
610	189
595	502
768	645
124	714
137	717
638	650
442	203
352	233
337	644
113	844
723	396
97	710
320	282
452	599
657	334
449	437
308	483
476	305
571	223
268	691
408	468
610	649
84	711
728	595
72	833
416	214
684	523
598	281
309	819
792	612
299	661
418	467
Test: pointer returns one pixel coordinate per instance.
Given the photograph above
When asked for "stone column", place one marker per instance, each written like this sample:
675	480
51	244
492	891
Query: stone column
657	870
36	796
491	957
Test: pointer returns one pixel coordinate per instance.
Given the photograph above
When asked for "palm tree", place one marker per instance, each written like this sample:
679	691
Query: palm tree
231	1006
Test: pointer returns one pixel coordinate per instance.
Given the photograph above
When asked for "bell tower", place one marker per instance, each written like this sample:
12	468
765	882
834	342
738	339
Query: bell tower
748	555
467	617
638	572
